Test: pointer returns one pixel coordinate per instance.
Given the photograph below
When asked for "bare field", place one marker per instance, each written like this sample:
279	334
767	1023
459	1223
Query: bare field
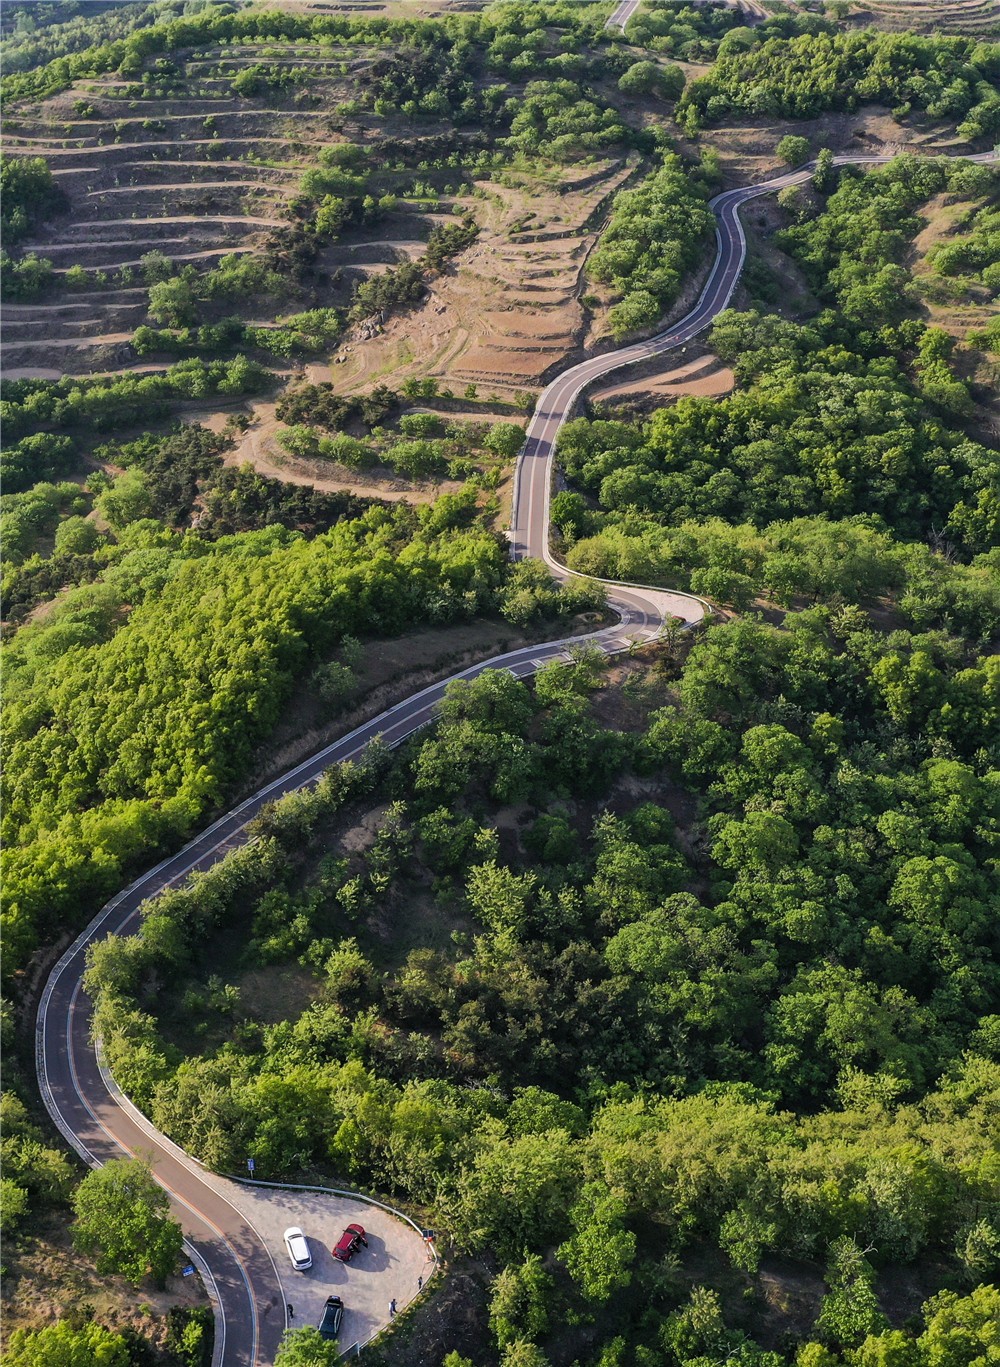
260	449
704	377
748	149
957	305
507	311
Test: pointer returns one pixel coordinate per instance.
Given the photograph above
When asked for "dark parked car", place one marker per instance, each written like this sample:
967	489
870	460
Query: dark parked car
349	1243
332	1315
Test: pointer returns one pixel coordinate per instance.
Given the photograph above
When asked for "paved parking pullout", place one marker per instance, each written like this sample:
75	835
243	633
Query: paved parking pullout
390	1268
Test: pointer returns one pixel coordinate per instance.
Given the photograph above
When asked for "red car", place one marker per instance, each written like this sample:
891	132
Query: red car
349	1243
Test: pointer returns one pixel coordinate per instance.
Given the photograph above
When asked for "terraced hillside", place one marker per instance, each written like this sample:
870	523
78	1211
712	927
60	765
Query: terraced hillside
509	309
238	195
196	176
975	18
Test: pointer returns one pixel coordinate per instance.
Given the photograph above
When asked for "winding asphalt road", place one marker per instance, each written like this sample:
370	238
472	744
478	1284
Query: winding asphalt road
235	1263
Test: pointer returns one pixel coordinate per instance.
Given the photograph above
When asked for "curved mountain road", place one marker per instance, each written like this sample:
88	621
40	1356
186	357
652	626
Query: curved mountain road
233	1258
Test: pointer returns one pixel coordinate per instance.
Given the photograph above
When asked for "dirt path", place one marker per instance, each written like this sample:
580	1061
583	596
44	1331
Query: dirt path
99	148
225	249
188	185
29	372
259	449
109	339
170	219
50	308
52	248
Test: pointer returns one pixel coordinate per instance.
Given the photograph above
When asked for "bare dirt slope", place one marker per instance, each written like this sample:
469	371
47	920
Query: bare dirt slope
508	310
704	376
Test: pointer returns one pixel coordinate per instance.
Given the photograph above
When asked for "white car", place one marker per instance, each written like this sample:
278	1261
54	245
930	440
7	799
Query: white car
298	1249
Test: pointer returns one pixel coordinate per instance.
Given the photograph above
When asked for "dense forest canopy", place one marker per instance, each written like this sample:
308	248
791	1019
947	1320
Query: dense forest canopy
133	709
791	1056
654	237
802	76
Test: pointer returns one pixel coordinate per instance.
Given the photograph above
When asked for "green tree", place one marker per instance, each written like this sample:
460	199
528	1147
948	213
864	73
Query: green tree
128	500
523	1353
824	177
521	1301
698	1328
793	149
172	302
639	309
13	1205
306	1348
763	843
29	193
649	78
978	1249
890	1349
62	1345
961	1330
542	1169
850	1310
122	1216
76	536
795	200
744	1234
601	1252
504	439
500	898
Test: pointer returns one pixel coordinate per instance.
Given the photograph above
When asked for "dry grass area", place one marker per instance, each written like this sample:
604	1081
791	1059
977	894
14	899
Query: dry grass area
278	993
959	305
259	448
748	149
704	376
46	1280
506	313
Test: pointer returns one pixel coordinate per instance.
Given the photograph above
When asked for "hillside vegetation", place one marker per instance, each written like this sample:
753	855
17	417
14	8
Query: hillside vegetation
665	989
